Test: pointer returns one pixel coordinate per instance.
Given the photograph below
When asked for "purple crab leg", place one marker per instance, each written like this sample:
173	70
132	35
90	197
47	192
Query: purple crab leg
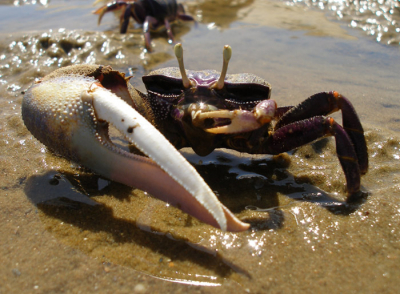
169	31
185	17
305	131
149	21
323	104
124	18
116	5
181	14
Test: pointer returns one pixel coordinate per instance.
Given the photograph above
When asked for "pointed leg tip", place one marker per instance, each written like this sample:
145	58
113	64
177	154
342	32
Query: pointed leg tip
357	197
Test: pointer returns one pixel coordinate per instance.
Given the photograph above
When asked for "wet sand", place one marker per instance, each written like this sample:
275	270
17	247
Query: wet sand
67	230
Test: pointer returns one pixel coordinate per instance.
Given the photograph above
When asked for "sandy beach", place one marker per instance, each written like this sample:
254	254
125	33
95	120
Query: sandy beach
67	230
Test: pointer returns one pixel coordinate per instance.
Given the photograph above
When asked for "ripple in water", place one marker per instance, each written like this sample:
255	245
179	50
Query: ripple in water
377	18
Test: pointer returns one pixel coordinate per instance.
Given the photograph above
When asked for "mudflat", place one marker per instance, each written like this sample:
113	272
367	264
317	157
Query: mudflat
64	229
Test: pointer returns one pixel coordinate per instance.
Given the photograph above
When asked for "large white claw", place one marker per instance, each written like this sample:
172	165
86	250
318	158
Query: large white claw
65	113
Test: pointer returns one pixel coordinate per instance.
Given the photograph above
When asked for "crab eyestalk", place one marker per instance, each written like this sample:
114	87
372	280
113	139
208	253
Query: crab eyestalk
227	54
179	55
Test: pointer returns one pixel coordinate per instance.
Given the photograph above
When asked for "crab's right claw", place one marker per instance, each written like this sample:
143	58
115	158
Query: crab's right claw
68	113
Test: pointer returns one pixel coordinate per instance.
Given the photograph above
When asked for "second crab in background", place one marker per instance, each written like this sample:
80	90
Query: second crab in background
152	14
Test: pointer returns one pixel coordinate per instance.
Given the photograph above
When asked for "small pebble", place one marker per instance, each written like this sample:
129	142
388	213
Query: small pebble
139	288
16	272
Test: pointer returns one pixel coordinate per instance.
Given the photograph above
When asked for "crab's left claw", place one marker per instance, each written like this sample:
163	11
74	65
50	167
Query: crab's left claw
69	111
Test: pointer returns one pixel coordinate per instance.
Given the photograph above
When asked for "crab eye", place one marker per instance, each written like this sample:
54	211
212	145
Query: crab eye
163	85
247	91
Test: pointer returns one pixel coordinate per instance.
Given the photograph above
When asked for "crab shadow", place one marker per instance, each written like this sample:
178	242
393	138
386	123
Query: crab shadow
64	196
256	182
241	182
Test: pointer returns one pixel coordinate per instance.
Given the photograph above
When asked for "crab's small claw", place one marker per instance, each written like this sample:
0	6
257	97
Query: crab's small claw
69	112
239	120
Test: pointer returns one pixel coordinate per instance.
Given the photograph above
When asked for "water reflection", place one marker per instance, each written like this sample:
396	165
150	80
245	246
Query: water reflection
32	56
220	14
30	2
377	18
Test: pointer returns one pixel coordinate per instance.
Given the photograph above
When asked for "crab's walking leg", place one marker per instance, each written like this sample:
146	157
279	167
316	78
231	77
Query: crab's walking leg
171	38
124	18
185	17
305	131
68	114
150	22
323	104
116	5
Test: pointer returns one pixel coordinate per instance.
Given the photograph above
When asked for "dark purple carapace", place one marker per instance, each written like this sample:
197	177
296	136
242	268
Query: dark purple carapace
166	85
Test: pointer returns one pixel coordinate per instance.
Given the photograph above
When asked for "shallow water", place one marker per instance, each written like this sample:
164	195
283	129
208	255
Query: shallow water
378	18
303	237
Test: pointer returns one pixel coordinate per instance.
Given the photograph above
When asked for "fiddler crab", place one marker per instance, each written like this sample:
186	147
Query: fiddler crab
152	14
70	110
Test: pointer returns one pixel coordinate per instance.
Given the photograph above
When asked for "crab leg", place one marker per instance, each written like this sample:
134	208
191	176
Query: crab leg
171	38
305	123
124	19
149	22
127	11
67	114
305	131
323	104
116	5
